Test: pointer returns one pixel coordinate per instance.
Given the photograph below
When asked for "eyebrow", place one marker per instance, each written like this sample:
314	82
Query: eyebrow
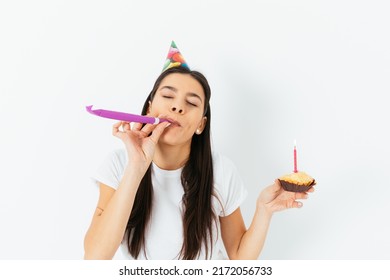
192	94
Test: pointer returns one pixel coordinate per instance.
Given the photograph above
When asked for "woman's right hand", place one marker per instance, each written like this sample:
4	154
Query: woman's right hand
139	145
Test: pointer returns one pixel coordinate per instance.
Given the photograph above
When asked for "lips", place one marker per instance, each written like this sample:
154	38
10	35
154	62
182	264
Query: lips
172	121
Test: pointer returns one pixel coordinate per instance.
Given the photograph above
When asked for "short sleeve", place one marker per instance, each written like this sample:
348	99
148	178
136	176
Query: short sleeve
110	171
229	186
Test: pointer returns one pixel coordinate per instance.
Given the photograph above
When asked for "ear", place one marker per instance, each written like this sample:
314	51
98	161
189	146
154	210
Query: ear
201	126
149	107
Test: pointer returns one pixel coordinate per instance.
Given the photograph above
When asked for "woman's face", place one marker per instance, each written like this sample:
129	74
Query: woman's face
179	98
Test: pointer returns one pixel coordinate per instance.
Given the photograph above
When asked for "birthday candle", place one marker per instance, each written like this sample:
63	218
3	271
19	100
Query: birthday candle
295	157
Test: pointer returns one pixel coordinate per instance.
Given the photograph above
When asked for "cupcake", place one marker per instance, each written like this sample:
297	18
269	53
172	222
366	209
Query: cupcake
297	182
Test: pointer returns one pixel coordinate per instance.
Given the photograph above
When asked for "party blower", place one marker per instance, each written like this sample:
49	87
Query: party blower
120	116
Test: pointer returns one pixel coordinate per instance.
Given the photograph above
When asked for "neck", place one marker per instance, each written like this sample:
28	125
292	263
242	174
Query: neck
169	157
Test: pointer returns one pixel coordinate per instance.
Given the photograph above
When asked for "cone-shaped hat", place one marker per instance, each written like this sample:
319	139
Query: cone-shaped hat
174	58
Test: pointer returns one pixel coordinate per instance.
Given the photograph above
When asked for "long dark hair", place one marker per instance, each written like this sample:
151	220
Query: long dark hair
197	179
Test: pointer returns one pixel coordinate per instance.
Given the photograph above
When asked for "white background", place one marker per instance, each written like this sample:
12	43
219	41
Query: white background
315	71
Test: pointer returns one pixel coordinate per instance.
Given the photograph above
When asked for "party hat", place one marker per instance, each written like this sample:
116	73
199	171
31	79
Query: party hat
174	58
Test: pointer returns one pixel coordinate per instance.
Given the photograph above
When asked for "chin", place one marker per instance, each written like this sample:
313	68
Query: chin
173	139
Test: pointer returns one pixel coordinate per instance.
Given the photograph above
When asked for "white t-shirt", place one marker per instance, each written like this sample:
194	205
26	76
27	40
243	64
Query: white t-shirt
164	236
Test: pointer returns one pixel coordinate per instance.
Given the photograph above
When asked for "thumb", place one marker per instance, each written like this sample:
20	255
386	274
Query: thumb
158	131
293	204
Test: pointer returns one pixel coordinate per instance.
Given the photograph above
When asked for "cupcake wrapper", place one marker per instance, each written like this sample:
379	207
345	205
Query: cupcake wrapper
290	187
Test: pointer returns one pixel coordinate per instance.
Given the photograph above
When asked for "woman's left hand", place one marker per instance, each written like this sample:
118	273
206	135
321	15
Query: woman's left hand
274	198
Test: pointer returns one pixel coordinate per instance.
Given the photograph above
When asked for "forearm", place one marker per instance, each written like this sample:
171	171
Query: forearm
253	240
104	238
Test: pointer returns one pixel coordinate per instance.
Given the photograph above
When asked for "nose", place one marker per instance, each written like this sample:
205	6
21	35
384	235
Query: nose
176	109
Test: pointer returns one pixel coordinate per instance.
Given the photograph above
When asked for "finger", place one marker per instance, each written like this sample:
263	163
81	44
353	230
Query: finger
291	203
137	126
148	128
297	204
126	126
115	128
301	195
158	131
311	190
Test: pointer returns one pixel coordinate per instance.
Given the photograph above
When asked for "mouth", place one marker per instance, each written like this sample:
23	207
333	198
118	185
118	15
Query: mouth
173	122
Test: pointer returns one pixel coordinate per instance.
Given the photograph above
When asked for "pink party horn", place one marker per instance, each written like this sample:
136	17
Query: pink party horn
124	116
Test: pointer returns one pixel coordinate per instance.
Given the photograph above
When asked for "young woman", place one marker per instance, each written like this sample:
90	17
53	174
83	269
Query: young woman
167	195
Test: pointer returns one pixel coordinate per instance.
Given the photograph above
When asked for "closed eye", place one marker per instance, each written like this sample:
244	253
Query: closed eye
192	104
